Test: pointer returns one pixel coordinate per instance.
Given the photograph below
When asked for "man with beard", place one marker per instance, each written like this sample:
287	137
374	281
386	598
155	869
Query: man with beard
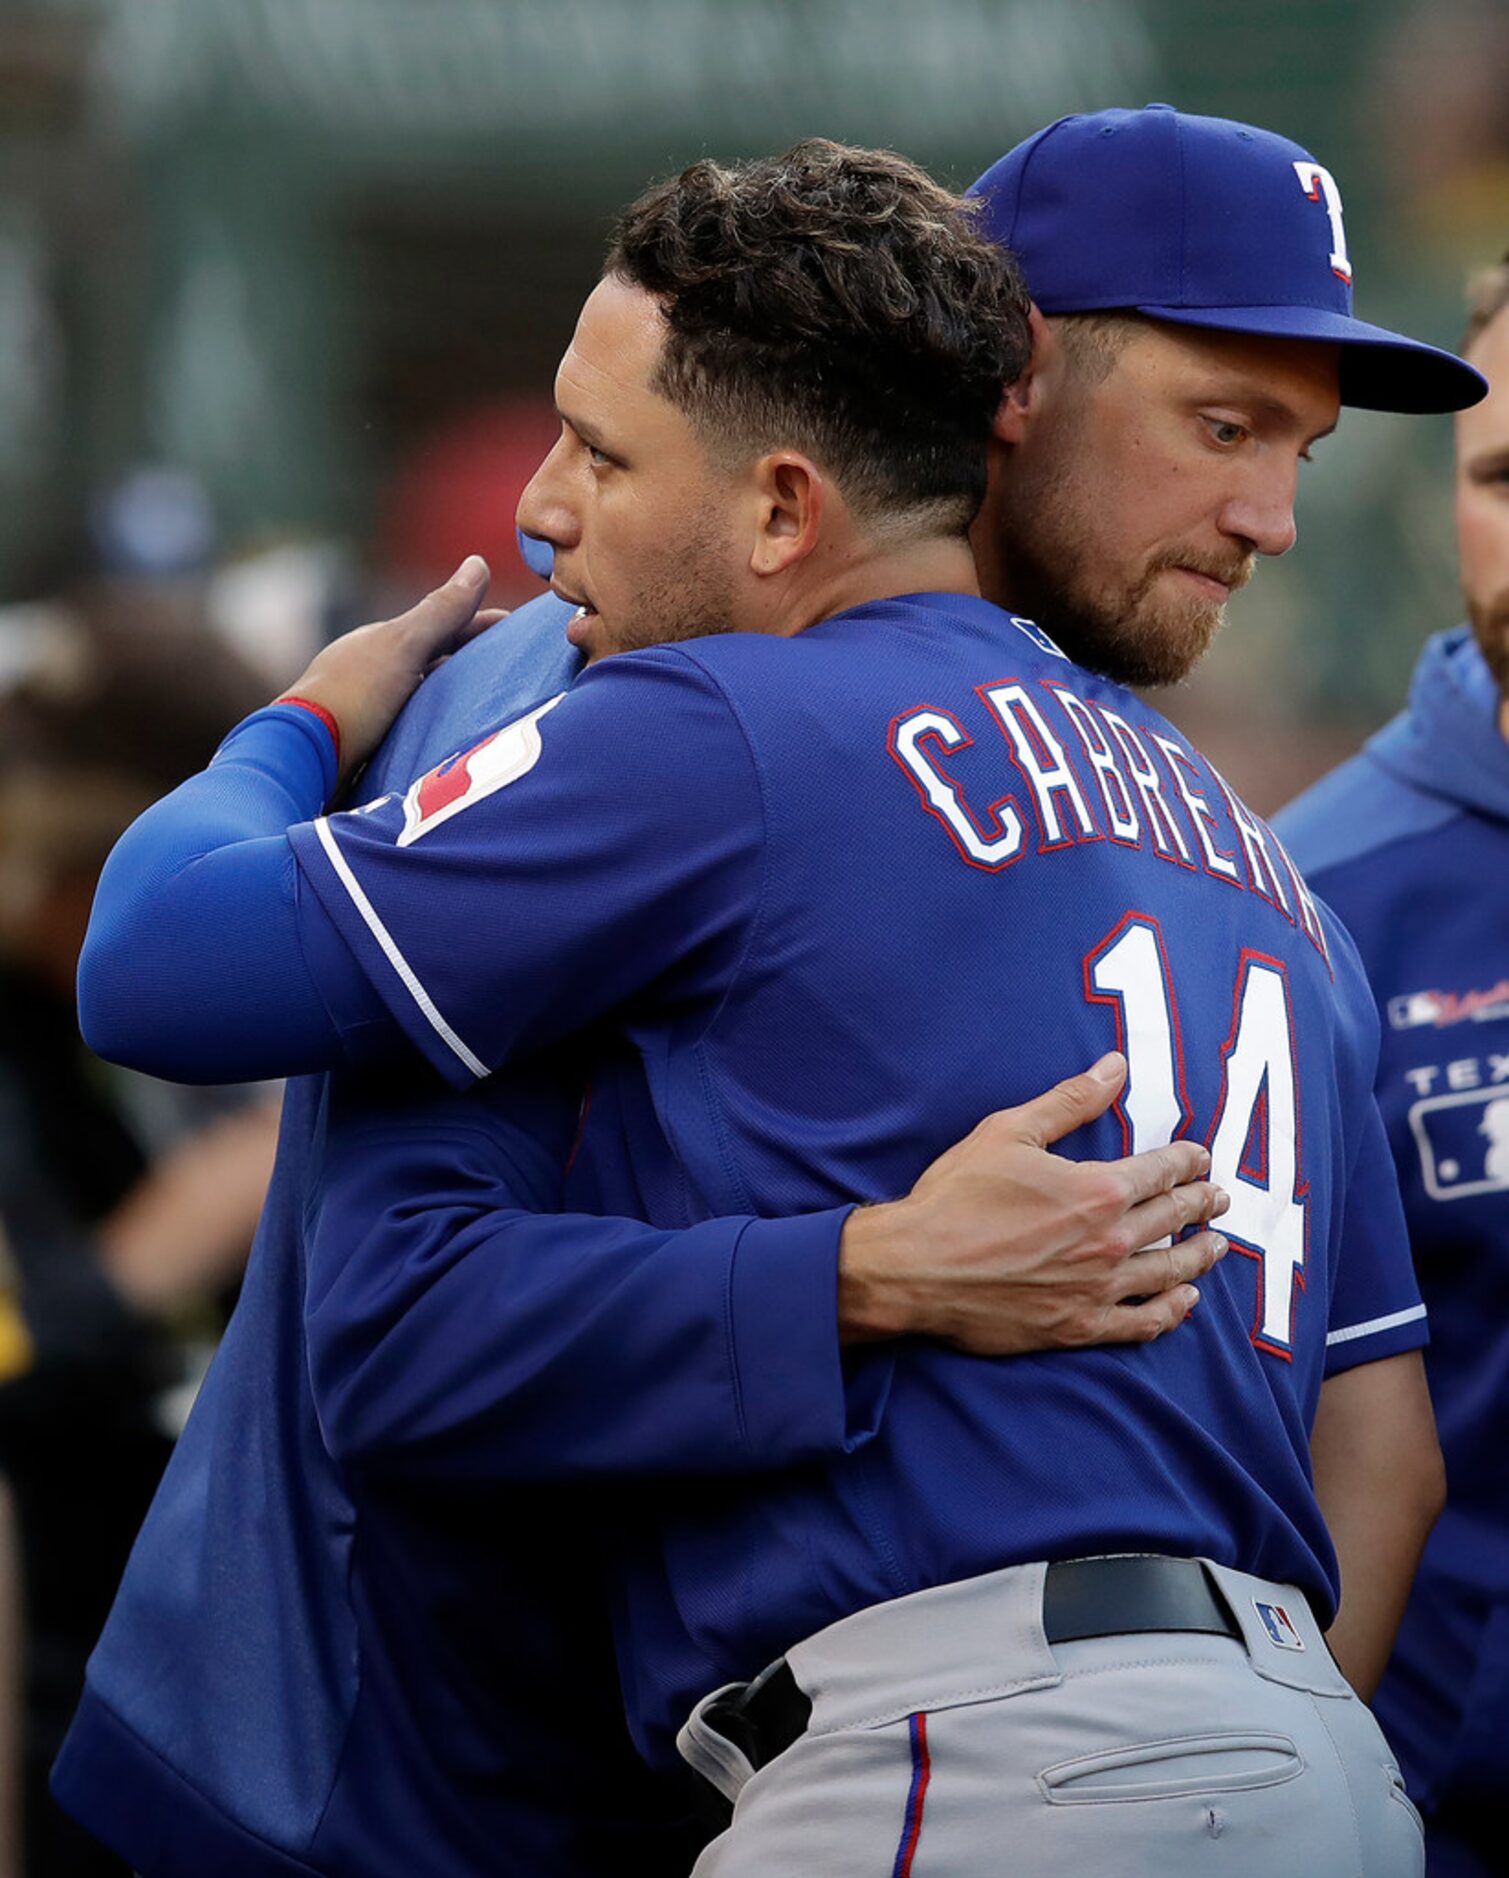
690	818
363	1629
1409	841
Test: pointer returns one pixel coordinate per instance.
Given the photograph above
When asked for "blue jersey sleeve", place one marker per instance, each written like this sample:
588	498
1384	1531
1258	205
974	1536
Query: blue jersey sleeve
1375	1301
611	841
469	1336
204	961
454	1336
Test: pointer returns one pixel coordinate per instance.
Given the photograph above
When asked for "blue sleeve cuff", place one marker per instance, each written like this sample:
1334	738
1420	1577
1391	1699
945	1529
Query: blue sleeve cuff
783	1331
293	747
1392	1335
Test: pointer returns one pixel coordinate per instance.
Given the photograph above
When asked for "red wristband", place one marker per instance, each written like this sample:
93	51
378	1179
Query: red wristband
325	717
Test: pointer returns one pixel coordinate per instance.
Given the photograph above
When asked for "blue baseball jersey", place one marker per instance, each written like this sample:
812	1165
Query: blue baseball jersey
838	896
364	1628
1410	843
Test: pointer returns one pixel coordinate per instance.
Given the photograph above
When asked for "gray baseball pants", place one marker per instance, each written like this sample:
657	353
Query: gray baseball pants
949	1739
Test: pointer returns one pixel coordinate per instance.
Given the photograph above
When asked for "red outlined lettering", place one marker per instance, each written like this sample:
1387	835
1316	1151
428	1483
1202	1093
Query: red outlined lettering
1262	875
1218	863
1121	814
1044	764
1168	842
1269	1219
941	795
1129	971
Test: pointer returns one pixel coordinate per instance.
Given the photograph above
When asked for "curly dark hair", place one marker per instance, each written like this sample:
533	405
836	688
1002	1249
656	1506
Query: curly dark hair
840	302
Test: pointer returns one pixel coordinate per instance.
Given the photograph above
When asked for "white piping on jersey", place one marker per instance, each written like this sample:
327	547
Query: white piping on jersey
1375	1324
391	952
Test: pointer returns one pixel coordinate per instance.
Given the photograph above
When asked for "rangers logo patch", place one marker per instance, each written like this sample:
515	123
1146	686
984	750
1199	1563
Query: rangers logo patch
499	759
1279	1625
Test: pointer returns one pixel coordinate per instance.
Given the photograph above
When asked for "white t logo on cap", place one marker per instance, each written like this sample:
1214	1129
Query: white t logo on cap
1319	184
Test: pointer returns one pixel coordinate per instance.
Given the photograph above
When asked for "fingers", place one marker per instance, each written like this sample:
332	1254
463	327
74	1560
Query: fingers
476	626
486	616
1158	1170
1152	1318
1162	1268
1070	1104
1195	1203
437	623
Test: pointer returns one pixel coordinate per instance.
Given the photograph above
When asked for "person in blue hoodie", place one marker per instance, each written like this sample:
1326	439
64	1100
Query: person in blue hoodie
1409	842
1229	489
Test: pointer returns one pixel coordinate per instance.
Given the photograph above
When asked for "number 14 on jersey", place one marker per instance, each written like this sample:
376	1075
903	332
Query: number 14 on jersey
1254	1136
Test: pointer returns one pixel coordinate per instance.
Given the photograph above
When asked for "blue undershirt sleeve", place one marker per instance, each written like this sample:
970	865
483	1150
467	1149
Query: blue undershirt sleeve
454	1327
459	1337
205	961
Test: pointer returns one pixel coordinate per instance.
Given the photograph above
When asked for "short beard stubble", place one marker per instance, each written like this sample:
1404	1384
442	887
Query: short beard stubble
1490	627
690	596
1129	631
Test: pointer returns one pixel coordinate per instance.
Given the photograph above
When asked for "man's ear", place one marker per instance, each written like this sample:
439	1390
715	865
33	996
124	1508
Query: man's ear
1022	398
791	499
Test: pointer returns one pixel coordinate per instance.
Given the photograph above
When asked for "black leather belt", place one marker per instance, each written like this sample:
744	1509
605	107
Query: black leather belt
1109	1597
1082	1597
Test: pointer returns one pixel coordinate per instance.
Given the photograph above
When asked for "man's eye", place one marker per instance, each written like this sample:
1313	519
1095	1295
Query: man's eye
1225	431
597	458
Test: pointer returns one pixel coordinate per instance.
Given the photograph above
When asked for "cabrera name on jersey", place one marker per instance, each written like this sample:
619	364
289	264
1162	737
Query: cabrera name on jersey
1040	820
843	895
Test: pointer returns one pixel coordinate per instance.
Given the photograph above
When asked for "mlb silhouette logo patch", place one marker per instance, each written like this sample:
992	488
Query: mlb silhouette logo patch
1038	637
1463	1141
1415	1008
1279	1625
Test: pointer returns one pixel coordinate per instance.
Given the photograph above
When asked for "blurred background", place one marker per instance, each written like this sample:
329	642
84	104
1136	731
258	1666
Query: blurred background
282	288
283	282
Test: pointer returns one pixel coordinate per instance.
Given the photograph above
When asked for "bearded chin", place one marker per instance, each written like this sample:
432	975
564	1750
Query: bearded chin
1147	646
1490	627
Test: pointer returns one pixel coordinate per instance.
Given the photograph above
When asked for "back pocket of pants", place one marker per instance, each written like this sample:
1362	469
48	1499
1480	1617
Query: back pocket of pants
1398	1794
1158	1770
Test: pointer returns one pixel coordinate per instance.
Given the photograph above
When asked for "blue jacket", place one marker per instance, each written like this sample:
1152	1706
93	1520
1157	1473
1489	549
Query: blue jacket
1409	842
832	898
362	1630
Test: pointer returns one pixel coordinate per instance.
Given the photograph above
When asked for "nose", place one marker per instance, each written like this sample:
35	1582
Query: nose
545	508
1261	513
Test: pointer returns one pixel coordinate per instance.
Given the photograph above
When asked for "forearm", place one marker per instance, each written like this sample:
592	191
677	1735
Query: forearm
456	1335
1381	1484
197	963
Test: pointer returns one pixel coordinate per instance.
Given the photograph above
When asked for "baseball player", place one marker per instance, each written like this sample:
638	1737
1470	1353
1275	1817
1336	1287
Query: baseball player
1408	842
329	1652
751	945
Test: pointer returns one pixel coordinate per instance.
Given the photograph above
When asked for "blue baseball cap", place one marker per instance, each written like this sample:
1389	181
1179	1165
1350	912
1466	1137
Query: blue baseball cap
1203	222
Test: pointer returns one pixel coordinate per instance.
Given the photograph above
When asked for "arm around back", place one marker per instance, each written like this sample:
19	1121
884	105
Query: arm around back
460	1329
197	963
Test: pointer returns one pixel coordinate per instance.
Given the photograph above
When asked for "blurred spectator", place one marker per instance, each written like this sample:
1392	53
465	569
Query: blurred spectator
1409	841
102	1246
